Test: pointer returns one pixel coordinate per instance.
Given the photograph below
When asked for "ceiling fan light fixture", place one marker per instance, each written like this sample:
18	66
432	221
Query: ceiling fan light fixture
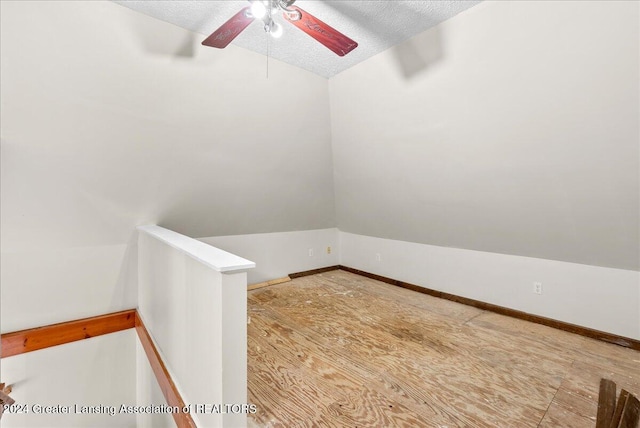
275	30
258	9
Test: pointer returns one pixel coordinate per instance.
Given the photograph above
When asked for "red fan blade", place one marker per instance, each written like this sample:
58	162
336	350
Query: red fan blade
229	30
328	36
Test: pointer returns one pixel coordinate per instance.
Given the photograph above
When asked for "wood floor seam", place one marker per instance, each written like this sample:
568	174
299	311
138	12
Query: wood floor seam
473	317
555	394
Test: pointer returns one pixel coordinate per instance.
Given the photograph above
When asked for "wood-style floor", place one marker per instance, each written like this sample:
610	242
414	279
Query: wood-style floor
341	350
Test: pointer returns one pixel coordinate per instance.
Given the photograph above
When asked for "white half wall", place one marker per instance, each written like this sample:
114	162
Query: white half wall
193	302
100	371
601	298
278	254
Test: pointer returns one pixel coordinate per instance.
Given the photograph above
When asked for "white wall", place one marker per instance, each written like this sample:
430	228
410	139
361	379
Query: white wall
601	298
104	127
65	283
100	371
278	254
518	135
193	302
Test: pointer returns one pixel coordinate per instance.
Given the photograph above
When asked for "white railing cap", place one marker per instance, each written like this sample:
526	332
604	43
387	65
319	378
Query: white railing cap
208	255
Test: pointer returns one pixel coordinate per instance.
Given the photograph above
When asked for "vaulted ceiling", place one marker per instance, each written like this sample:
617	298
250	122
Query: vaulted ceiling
375	24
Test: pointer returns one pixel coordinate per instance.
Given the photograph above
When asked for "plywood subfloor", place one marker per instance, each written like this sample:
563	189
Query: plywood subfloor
341	350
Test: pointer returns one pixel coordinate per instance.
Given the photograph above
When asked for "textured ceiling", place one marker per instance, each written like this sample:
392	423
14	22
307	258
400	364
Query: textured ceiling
375	25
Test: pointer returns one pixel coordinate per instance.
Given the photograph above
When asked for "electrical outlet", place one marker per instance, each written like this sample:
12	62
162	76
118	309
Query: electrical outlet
537	287
310	252
328	250
378	257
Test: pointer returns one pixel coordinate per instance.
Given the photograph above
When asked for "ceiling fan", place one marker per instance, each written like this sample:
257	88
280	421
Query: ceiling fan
264	10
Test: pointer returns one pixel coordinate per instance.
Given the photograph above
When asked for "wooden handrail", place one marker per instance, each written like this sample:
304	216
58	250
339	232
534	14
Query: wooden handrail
168	388
34	339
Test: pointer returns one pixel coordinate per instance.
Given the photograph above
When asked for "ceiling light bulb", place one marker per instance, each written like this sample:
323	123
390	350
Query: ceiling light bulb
258	10
276	30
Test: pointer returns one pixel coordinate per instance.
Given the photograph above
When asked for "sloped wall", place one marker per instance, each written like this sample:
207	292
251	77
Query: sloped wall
112	119
511	128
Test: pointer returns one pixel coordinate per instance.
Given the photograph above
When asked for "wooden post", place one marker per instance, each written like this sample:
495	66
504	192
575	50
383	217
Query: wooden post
617	415
630	414
606	403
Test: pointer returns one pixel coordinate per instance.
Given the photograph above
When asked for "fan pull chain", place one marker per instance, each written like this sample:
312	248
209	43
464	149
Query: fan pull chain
267	37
